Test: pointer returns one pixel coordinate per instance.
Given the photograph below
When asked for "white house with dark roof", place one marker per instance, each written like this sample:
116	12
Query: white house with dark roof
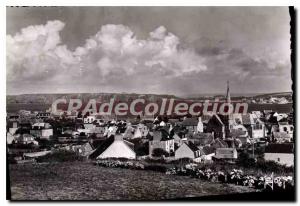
161	140
252	122
41	130
201	139
193	124
228	154
187	150
281	137
283	127
114	147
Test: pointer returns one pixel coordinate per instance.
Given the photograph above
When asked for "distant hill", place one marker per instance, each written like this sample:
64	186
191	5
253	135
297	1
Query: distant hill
103	97
42	102
238	95
278	94
49	98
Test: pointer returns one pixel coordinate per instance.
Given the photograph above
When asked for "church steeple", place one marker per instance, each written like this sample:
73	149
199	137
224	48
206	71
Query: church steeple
228	98
230	122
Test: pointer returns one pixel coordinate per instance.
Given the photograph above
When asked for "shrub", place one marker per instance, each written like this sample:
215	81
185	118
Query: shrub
181	161
157	168
60	156
271	166
160	160
158	152
245	160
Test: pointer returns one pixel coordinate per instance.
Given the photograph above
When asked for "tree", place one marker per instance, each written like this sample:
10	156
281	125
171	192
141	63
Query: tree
245	160
158	152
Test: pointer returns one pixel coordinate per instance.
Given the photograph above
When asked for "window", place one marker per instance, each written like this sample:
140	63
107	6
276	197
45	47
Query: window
278	159
285	129
292	128
257	126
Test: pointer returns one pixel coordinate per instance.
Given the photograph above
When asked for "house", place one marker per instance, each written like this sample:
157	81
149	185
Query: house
207	153
281	153
283	127
13	127
114	147
43	115
190	124
253	124
128	134
179	139
227	154
89	126
219	143
162	124
173	122
257	127
258	114
112	130
240	137
41	130
201	139
215	125
161	139
89	119
26	139
63	138
10	138
280	116
13	117
281	137
137	133
187	150
97	132
147	117
143	128
72	115
206	117
140	131
239	134
82	149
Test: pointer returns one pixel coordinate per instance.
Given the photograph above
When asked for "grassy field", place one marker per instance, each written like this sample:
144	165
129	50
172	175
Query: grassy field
84	181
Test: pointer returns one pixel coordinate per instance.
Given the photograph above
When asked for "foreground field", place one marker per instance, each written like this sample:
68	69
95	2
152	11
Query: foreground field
84	181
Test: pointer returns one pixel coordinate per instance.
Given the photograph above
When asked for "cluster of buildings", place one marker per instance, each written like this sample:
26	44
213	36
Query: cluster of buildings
205	138
272	100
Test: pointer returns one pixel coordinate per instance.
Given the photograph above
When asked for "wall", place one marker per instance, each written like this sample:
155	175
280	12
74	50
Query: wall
284	158
184	151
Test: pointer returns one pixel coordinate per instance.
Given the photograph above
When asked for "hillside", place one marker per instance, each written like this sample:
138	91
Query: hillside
103	97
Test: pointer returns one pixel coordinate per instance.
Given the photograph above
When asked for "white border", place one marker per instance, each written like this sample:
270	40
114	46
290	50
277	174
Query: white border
151	3
114	3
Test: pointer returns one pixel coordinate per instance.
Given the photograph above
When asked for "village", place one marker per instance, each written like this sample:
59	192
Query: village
105	140
253	149
206	138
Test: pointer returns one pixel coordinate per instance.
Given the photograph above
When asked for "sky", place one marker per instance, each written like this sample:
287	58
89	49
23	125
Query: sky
163	50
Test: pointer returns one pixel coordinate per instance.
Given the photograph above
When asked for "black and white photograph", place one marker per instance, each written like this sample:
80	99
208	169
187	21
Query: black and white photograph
150	103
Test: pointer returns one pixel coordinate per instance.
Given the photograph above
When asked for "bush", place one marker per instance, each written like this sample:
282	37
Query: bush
142	149
156	168
160	160
158	152
271	166
60	156
181	161
245	160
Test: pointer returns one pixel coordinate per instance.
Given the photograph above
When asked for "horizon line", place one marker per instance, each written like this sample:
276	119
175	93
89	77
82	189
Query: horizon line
208	93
